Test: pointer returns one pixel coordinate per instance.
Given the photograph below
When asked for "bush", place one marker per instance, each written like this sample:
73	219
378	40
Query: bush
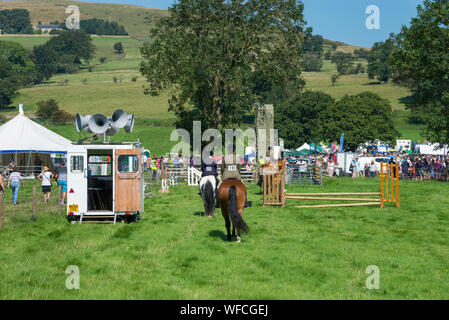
61	117
90	69
134	79
312	62
328	55
115	79
102	59
45	109
84	81
49	110
64	82
334	78
118	47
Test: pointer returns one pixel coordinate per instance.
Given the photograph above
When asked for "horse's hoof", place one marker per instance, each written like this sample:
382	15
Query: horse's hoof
239	240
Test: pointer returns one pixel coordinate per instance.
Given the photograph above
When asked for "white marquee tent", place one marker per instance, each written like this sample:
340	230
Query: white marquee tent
22	140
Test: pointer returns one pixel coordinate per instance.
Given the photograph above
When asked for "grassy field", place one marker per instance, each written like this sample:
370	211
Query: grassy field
175	253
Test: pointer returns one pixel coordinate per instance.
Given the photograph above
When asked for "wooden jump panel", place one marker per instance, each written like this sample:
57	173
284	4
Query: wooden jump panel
331	199
341	205
335	194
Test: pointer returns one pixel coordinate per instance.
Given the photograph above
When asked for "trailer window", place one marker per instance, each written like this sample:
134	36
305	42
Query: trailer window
128	164
99	166
77	164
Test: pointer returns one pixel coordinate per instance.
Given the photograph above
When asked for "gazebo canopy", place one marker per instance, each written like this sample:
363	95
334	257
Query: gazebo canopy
22	135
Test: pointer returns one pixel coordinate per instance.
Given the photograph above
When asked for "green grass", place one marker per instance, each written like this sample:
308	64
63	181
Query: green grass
354	84
174	253
99	98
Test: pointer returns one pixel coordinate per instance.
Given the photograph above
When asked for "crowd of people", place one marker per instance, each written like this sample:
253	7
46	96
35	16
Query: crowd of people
15	181
411	167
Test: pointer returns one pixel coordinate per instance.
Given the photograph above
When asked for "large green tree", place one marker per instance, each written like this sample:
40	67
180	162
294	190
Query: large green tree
344	62
64	53
22	64
304	118
421	58
379	61
15	21
208	51
9	83
364	117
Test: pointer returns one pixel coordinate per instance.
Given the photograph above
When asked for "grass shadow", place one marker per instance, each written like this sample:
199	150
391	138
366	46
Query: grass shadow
372	83
199	214
218	234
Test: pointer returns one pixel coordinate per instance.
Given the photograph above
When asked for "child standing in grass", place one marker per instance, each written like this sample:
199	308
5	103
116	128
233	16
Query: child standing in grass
46	177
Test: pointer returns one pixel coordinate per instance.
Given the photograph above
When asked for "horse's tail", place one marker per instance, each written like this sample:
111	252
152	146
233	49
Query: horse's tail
208	197
236	218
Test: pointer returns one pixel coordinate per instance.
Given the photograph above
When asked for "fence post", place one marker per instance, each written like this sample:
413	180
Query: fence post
34	203
382	184
59	199
1	211
397	186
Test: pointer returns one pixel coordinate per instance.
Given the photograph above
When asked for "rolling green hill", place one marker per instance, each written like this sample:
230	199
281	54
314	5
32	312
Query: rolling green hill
134	18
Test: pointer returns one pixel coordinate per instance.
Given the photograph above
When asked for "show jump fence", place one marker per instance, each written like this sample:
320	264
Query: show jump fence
274	191
274	184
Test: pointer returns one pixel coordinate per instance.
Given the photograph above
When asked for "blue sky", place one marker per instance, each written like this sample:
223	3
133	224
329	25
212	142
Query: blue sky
340	20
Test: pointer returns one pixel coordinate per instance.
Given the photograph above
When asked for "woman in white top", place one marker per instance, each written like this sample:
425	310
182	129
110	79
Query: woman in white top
46	177
372	169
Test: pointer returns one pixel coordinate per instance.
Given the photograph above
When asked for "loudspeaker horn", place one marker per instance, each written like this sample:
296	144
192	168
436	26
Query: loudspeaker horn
130	124
119	118
112	131
82	122
99	123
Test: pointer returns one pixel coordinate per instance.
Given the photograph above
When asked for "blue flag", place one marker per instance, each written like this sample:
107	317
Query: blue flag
342	141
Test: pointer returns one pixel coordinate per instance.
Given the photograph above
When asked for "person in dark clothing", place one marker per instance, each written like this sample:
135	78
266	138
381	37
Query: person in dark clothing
209	167
405	167
418	169
394	167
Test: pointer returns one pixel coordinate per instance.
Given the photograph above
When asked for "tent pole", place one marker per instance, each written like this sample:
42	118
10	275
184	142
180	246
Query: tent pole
29	159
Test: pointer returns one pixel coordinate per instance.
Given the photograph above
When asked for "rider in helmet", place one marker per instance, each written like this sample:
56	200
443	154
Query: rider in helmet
209	168
230	169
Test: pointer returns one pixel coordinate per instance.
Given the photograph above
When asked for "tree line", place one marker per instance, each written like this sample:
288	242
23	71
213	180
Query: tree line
315	116
15	21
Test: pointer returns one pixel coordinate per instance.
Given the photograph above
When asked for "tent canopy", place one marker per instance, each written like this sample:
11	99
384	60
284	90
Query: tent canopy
296	153
305	146
22	135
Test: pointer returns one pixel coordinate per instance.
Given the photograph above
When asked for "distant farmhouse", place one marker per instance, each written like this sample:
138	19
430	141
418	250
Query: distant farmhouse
45	29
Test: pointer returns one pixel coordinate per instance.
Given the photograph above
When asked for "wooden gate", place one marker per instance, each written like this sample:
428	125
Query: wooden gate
274	184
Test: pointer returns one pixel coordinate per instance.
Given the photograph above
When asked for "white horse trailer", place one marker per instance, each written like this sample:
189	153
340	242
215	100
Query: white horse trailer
105	181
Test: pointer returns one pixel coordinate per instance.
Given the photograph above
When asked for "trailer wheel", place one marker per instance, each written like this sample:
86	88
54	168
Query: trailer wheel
72	219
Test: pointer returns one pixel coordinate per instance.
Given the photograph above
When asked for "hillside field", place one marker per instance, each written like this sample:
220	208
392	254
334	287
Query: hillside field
104	87
136	19
176	253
